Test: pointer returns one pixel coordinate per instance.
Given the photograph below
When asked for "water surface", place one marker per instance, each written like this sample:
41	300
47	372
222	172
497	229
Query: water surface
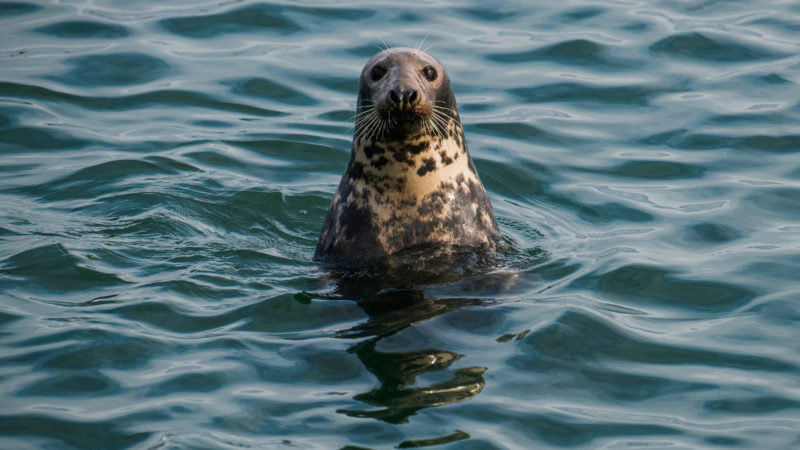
166	169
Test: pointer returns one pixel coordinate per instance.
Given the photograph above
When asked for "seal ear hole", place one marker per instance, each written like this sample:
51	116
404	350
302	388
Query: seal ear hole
377	73
430	73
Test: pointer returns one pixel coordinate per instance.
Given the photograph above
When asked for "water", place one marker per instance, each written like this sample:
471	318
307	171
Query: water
166	168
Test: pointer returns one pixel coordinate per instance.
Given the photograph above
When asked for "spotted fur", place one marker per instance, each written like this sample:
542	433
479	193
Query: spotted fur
409	181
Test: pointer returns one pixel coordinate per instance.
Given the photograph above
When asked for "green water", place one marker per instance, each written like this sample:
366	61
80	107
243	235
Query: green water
166	168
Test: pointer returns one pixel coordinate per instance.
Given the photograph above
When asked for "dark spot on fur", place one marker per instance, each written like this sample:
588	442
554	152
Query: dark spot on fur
372	150
399	157
380	162
459	137
349	229
411	201
472	168
356	170
428	165
416	149
446	160
448	186
432	204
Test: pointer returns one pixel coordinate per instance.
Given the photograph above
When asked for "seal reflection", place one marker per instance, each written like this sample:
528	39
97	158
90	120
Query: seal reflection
399	396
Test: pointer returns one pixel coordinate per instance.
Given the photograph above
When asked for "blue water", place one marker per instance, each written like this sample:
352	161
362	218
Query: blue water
166	168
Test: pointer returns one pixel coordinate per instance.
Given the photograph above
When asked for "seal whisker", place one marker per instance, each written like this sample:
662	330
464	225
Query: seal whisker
444	108
440	130
426	125
442	124
440	120
447	116
436	126
380	126
360	117
365	124
419	46
384	125
361	114
371	125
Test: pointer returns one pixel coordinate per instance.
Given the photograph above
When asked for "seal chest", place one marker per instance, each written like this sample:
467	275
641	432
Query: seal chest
410	180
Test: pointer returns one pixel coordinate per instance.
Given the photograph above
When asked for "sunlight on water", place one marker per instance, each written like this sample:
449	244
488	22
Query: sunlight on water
166	169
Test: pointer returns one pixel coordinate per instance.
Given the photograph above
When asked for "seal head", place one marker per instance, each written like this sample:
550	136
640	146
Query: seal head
410	180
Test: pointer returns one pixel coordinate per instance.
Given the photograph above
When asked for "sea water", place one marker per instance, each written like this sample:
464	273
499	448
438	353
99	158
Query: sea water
165	169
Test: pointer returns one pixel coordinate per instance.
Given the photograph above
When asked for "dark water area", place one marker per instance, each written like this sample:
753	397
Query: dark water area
166	168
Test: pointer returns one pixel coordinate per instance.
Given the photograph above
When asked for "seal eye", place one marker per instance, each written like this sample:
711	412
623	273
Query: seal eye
430	73
377	73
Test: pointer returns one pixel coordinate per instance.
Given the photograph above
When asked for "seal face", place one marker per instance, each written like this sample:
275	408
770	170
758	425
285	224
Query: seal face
410	180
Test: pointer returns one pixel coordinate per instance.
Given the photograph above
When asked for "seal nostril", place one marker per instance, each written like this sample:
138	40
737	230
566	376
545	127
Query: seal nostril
394	96
410	96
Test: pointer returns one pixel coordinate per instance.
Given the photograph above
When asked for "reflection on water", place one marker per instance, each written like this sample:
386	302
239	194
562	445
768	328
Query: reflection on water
389	294
399	395
391	310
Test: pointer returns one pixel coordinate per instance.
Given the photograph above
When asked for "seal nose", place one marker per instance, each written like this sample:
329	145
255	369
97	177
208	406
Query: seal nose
410	97
403	99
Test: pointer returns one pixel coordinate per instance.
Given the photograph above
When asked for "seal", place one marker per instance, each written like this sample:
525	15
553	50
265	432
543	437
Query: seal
410	180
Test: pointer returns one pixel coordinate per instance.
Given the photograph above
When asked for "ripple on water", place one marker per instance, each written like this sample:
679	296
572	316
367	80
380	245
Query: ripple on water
168	97
681	139
782	202
578	336
581	93
53	268
165	316
651	285
573	52
658	170
116	69
262	18
268	89
8	9
712	47
27	138
522	131
84	29
97	180
711	233
42	430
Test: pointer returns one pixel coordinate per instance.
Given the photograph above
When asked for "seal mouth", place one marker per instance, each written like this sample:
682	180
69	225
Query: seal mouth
381	122
408	122
403	117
